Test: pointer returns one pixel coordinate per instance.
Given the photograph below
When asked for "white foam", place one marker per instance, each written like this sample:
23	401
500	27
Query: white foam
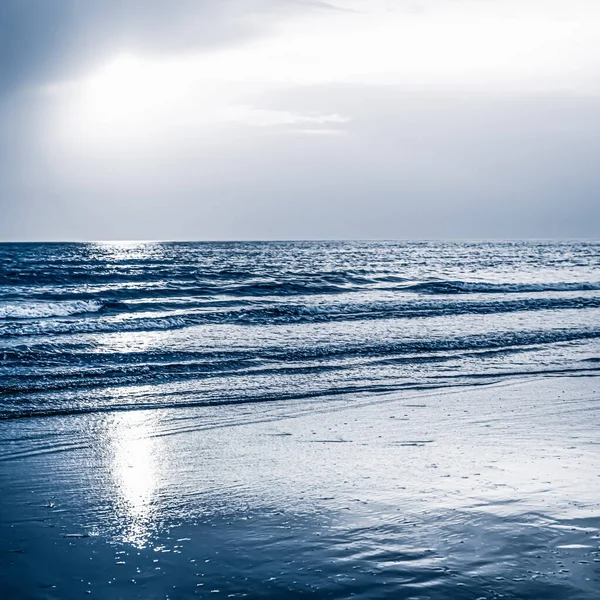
37	310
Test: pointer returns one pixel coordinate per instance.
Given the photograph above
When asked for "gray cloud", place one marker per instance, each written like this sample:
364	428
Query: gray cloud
41	40
414	165
393	161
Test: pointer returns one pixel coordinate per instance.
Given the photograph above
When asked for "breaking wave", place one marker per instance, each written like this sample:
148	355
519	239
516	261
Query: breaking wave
41	310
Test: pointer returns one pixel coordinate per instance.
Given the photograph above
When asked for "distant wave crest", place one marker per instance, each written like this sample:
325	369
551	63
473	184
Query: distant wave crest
474	287
40	310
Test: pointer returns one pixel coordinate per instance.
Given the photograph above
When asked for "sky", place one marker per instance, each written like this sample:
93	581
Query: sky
299	119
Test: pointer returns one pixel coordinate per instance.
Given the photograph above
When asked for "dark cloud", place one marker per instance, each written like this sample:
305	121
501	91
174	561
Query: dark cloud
41	40
33	33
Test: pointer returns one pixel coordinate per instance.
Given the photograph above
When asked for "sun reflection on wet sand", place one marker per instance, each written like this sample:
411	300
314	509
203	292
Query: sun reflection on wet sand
134	469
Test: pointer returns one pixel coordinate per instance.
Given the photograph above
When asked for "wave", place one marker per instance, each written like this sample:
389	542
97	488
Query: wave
193	401
474	287
42	310
204	281
90	370
182	400
289	313
217	289
157	317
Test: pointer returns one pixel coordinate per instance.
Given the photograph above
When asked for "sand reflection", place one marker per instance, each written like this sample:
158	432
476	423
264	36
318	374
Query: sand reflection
134	469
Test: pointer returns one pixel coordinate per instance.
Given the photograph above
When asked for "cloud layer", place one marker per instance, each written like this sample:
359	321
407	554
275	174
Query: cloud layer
237	119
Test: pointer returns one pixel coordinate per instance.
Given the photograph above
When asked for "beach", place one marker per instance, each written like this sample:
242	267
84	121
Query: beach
487	491
413	420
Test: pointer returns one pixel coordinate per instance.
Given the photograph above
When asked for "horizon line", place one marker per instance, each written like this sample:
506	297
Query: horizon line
299	240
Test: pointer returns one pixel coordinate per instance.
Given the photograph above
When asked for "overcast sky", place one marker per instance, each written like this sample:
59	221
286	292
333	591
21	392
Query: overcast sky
299	119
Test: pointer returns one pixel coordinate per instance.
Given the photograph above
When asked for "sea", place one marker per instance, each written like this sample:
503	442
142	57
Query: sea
287	420
89	327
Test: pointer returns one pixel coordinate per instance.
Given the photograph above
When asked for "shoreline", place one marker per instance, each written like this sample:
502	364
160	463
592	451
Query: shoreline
486	490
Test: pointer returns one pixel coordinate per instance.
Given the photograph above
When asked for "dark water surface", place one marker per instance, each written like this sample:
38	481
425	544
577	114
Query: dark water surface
329	420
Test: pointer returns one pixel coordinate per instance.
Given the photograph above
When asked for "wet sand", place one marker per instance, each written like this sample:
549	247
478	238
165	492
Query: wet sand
478	492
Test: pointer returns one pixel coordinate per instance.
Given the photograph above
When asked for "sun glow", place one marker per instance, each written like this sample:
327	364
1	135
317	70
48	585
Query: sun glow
133	99
129	96
134	468
126	88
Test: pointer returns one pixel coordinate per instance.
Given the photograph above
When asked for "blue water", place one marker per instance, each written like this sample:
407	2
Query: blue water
413	421
89	327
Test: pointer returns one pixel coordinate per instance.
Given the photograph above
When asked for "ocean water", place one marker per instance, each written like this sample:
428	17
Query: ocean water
88	327
373	420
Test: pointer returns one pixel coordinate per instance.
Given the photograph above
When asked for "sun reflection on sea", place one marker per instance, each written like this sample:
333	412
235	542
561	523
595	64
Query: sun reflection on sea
134	469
